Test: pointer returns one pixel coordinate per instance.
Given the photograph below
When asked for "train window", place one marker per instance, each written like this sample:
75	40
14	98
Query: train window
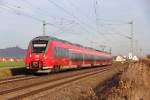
75	56
63	52
39	46
88	57
66	52
60	52
55	50
80	56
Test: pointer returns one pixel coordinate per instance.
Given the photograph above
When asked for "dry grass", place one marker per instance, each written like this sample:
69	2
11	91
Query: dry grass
5	73
133	84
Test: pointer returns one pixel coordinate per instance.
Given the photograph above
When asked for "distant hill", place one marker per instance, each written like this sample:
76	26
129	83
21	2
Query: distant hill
13	52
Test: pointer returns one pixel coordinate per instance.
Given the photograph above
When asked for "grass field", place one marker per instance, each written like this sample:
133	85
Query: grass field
12	64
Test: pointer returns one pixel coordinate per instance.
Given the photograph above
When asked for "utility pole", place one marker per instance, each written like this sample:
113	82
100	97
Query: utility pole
96	16
136	48
103	47
131	37
44	29
141	52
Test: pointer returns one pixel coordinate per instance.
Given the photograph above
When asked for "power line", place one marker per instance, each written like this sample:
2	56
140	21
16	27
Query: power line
57	6
96	19
130	37
68	12
83	13
118	24
118	33
95	12
27	15
96	3
16	12
61	8
61	31
37	8
46	12
117	21
16	8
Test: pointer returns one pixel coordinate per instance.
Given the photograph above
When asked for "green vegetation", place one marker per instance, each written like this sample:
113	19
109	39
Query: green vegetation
12	64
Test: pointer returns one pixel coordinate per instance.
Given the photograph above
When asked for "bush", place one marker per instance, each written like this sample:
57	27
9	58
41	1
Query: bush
148	56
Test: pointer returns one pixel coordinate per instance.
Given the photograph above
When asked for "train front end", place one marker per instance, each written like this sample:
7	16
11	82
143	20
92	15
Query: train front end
37	54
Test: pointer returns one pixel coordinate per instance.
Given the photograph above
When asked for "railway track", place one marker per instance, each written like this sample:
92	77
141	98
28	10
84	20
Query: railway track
16	78
25	77
31	89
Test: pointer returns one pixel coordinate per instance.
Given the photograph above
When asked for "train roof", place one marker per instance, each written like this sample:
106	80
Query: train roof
64	41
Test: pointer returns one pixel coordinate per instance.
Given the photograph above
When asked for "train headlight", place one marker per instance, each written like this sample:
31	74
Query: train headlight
30	55
27	66
44	56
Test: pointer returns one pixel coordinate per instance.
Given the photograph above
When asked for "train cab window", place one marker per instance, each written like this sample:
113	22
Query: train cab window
39	46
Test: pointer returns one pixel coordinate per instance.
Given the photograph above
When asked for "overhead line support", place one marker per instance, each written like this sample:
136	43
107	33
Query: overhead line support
44	24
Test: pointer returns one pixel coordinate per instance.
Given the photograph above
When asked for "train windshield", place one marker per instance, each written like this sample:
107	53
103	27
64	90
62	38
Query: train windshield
39	46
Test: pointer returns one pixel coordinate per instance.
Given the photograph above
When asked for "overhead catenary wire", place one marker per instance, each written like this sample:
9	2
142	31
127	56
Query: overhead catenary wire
83	13
118	23
79	10
111	22
86	16
22	13
37	8
106	37
59	7
71	14
18	8
130	37
18	11
63	30
117	33
27	15
96	22
46	12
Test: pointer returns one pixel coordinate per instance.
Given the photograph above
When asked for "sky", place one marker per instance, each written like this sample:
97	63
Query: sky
105	23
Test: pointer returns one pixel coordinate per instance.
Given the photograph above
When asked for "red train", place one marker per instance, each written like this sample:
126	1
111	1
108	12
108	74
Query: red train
49	53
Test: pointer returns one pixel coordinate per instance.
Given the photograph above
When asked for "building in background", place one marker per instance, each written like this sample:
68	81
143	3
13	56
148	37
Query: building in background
120	59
